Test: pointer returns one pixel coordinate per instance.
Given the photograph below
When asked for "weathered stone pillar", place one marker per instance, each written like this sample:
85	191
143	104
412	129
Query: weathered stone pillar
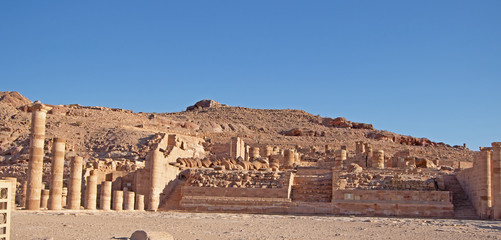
267	151
140	202
13	182
484	174
45	198
105	201
129	203
91	191
288	159
359	147
237	148
64	197
327	149
156	187
35	164
75	188
118	200
56	177
378	159
368	155
246	151
340	158
496	180
297	158
254	153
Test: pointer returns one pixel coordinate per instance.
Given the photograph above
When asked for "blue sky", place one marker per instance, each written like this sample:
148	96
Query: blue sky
422	68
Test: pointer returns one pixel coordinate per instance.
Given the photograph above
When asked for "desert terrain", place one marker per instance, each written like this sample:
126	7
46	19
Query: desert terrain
120	225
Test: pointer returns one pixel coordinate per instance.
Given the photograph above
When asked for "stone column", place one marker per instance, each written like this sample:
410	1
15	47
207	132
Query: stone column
105	201
340	159
267	151
91	191
288	159
13	182
130	201
156	186
246	151
75	187
118	200
64	197
45	199
140	202
368	155
35	164
297	158
496	180
254	153
378	159
484	174
56	177
359	147
327	149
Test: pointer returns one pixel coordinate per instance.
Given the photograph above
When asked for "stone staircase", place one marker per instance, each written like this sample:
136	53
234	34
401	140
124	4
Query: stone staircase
463	209
171	196
312	185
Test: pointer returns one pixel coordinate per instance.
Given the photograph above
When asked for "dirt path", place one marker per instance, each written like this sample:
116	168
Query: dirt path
120	225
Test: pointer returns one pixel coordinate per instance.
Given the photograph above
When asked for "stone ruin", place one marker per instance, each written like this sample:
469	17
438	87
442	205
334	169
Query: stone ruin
180	174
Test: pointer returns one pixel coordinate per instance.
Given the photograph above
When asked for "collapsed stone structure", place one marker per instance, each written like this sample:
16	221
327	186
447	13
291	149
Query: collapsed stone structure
180	173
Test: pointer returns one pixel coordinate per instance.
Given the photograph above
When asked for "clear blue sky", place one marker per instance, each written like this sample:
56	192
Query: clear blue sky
423	68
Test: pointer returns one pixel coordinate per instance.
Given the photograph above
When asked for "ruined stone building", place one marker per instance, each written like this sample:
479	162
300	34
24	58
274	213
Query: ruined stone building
182	173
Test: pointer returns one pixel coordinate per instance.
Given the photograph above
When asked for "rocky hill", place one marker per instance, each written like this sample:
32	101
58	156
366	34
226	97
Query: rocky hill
103	132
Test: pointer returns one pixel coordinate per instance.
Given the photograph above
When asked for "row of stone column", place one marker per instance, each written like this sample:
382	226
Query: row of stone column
55	198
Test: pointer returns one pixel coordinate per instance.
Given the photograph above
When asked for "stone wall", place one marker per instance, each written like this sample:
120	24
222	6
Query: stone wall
394	203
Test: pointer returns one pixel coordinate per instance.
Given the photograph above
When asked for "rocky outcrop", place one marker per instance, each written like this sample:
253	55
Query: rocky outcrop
206	103
341	122
295	132
405	140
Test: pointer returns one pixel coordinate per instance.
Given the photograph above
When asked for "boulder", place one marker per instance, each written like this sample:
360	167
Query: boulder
354	168
142	235
424	163
206	103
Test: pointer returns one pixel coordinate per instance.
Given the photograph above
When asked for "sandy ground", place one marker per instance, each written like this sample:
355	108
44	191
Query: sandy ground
120	225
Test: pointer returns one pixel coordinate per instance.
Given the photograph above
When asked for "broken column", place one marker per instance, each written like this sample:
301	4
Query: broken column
35	164
140	202
118	200
56	176
484	173
267	151
297	158
378	159
237	148
91	191
129	203
105	200
156	187
340	158
289	158
496	180
254	153
75	187
359	147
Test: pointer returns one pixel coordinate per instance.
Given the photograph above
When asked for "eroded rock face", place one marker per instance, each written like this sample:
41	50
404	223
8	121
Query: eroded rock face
206	103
